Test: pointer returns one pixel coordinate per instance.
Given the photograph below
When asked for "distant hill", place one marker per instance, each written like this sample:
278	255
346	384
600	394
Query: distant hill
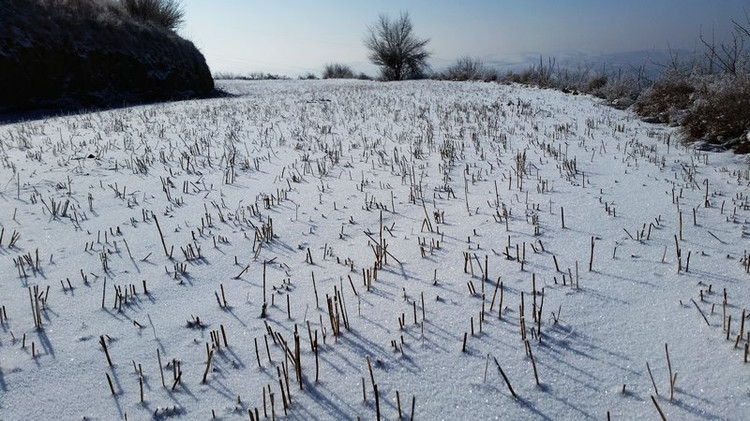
63	54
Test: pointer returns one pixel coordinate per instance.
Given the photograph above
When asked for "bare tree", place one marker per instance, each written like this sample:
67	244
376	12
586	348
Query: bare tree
730	56
394	47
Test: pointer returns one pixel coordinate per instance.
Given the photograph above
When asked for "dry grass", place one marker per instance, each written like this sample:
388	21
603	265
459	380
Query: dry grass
167	14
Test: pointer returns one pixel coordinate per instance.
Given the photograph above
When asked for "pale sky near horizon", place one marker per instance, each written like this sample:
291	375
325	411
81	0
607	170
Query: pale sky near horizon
294	37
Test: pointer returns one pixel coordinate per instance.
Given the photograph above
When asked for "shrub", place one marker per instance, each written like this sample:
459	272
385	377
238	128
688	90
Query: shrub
167	14
226	76
535	75
465	68
720	109
595	83
491	75
264	76
663	101
622	89
337	71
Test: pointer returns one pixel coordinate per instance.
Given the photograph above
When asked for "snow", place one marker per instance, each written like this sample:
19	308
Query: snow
321	162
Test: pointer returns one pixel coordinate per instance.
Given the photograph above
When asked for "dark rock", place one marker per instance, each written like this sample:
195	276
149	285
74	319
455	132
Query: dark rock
89	53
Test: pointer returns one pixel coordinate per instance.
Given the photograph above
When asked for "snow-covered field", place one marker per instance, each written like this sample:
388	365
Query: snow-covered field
283	251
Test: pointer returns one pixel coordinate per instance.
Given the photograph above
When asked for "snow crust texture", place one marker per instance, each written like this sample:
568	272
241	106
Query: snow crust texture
343	249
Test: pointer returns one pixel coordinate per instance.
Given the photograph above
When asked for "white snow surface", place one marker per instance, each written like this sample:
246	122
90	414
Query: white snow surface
289	180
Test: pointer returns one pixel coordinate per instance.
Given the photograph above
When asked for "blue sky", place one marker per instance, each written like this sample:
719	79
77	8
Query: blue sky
293	37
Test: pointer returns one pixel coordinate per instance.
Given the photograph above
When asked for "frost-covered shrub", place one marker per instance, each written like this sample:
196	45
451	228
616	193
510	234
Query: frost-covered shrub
664	100
337	71
465	68
540	76
595	84
720	109
491	75
621	91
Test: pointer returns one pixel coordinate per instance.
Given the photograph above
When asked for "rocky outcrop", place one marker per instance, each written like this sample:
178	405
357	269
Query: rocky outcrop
62	54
